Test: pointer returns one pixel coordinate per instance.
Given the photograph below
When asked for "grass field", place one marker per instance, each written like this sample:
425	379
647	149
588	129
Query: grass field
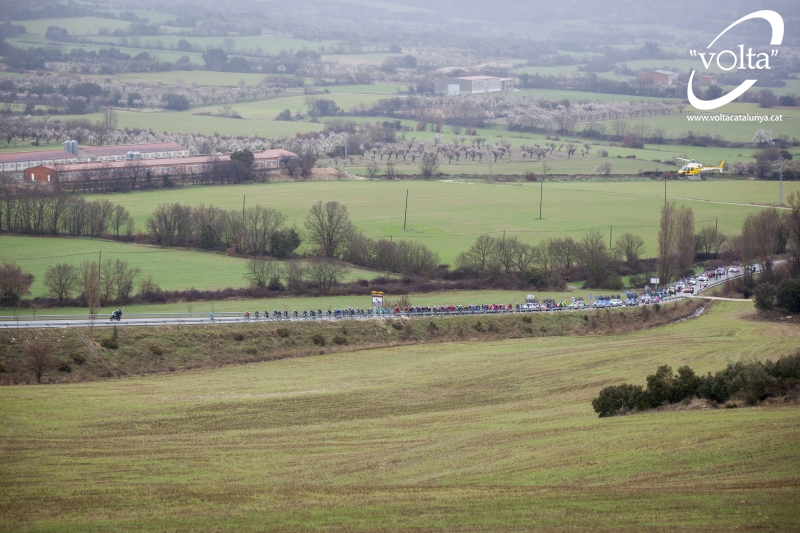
171	268
449	216
472	436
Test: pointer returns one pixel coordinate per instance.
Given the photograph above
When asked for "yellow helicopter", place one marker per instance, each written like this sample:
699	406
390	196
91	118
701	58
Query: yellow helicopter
693	168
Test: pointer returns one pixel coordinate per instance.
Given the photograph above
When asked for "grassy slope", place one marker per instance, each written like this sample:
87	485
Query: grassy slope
467	436
171	268
449	216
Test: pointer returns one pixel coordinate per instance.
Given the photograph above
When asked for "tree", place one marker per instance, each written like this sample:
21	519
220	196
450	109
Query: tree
564	252
176	102
284	242
13	283
428	165
216	59
263	272
630	246
90	285
39	357
603	168
676	242
595	258
243	157
329	228
321	107
294	273
325	274
61	280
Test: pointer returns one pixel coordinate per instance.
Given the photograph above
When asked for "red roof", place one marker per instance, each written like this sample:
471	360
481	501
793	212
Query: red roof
43	155
122	149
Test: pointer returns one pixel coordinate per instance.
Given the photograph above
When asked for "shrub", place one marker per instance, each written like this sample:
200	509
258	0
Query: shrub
318	339
2	368
238	337
478	326
78	359
282	332
789	295
528	319
619	397
156	350
766	297
64	366
111	344
397	325
338	339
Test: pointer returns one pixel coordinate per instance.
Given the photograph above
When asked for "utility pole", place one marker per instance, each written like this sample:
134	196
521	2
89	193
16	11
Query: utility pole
405	215
541	192
780	175
244	197
345	154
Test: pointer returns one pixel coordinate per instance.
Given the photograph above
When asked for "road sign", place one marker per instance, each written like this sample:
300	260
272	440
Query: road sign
377	299
654	281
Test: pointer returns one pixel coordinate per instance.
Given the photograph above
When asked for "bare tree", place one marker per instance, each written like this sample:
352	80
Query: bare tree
329	228
676	242
13	283
261	272
294	273
325	274
429	165
630	246
61	280
39	357
594	257
90	285
604	169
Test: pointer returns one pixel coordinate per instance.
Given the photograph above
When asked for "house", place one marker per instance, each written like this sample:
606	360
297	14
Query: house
19	161
707	79
469	85
665	77
40	173
122	152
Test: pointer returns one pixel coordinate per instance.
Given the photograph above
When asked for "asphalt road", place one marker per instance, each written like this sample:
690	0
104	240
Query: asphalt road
64	321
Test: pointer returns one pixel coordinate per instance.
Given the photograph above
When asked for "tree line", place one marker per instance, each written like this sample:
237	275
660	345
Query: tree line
747	382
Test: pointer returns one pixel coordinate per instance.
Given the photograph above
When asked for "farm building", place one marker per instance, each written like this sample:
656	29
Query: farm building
173	166
471	85
19	161
40	173
707	79
665	77
121	152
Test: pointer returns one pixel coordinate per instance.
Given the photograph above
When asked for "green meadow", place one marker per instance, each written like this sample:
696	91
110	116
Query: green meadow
448	216
464	436
171	268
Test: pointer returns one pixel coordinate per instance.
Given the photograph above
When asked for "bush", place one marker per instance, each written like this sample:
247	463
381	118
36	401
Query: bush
156	350
65	367
282	332
766	297
528	319
338	339
78	359
397	325
318	339
614	399
111	344
789	295
238	337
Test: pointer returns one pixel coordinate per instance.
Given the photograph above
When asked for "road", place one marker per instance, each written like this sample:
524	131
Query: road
175	319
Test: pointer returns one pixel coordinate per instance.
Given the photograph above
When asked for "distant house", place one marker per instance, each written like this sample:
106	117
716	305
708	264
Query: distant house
471	85
707	79
40	173
120	152
665	77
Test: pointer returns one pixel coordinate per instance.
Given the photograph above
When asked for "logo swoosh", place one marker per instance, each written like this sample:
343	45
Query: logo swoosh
776	22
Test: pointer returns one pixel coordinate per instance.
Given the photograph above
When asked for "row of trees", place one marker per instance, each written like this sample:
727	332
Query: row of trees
43	211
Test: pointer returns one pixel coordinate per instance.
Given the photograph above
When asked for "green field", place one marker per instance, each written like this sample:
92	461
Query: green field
472	436
171	268
448	217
